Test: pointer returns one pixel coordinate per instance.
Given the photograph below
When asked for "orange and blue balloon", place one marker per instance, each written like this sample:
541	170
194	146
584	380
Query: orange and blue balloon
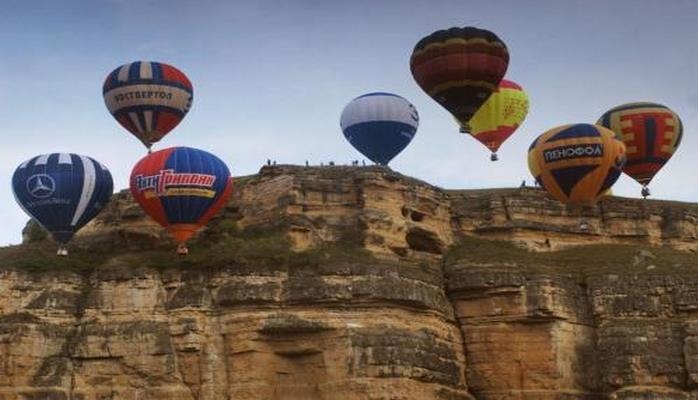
460	68
500	116
379	125
62	192
576	163
181	188
651	132
149	99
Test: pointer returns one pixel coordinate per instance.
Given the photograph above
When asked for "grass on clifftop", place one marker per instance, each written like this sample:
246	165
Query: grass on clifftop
587	260
212	249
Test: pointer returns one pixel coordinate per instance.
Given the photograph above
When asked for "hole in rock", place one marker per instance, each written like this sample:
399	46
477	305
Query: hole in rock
422	240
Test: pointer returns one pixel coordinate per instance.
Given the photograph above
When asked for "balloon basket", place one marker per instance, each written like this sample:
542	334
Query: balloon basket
645	192
62	251
583	212
182	249
584	225
494	157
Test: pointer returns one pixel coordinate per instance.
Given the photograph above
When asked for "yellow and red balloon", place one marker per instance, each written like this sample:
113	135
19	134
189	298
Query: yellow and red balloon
500	116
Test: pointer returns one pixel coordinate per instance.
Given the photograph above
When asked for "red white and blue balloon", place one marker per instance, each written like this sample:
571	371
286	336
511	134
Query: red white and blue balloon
62	191
148	98
181	188
379	125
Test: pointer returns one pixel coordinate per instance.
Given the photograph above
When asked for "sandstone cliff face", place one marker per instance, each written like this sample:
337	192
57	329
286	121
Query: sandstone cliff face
388	292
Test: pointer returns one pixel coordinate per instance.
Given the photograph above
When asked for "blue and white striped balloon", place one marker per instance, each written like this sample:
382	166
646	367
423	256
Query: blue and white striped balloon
62	191
379	125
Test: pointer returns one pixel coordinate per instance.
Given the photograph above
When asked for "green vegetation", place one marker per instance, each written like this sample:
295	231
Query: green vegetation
586	260
217	248
34	232
41	256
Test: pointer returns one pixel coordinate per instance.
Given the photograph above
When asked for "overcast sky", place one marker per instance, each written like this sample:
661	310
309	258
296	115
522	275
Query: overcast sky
272	77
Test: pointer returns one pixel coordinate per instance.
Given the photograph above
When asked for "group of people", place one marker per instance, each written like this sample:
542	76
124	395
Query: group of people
354	163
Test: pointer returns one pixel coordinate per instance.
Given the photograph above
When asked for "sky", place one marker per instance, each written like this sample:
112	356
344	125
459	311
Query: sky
271	78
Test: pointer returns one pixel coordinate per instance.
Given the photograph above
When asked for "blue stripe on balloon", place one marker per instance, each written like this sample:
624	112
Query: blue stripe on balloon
141	121
134	71
533	144
157	71
380	141
575	131
650	135
111	81
189	209
611	178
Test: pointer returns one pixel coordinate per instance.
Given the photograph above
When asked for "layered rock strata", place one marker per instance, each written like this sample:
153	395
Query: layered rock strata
393	293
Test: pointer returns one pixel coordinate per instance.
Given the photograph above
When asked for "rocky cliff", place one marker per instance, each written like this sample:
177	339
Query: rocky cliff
360	283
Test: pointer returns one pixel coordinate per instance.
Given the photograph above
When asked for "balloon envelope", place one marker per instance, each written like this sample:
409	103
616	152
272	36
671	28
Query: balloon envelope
62	191
460	68
149	99
500	116
651	133
379	125
181	188
576	163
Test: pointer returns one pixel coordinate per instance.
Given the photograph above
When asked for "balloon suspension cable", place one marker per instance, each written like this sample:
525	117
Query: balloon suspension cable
645	192
182	249
62	251
493	156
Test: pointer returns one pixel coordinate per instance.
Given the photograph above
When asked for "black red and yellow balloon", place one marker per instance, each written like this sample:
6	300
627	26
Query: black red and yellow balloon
460	68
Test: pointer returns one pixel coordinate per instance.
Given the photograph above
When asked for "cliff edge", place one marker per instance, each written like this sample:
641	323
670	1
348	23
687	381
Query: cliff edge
360	283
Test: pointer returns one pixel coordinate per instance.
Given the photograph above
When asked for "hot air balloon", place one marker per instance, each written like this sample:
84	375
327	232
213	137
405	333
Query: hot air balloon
500	116
576	163
181	188
651	133
379	125
460	68
62	192
148	98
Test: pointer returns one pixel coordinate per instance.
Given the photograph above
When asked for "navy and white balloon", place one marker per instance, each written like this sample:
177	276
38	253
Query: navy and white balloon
379	125
62	192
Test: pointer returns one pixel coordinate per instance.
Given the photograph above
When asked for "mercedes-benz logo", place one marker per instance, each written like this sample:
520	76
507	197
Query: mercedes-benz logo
41	186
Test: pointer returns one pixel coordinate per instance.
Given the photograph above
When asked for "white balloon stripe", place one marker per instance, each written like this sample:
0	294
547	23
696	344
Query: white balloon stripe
42	159
379	107
64	158
123	73
136	122
146	70
88	188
